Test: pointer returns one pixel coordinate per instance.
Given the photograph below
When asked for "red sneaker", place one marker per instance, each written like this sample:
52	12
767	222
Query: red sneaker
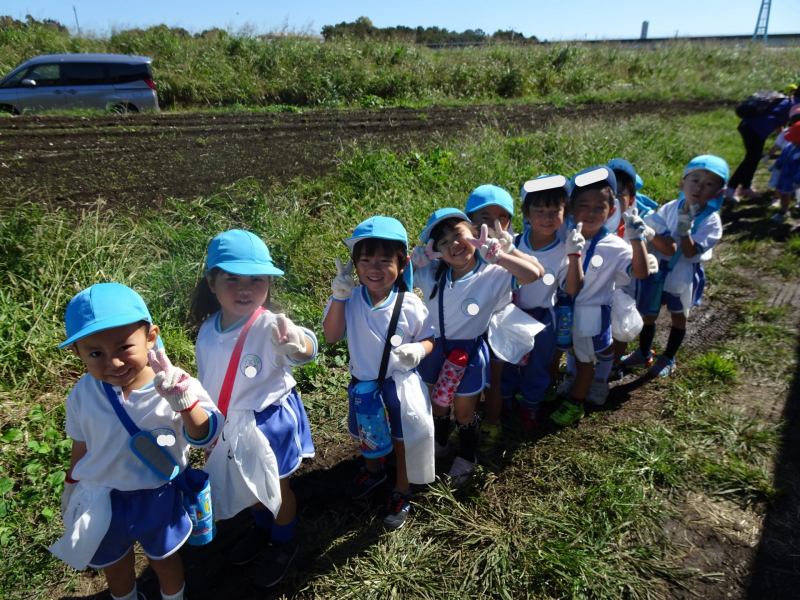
528	417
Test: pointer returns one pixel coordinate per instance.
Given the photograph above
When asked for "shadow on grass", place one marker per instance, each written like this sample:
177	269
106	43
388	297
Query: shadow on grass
775	572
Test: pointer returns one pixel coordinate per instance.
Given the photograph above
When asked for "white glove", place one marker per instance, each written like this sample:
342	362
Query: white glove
489	248
575	241
343	284
765	159
409	355
506	239
649	233
65	496
171	383
422	256
286	337
686	219
634	224
652	264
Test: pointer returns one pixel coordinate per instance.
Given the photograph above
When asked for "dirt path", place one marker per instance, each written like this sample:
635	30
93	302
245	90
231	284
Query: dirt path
141	159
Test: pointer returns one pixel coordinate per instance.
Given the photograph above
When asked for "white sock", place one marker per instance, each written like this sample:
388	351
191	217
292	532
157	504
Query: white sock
129	596
178	596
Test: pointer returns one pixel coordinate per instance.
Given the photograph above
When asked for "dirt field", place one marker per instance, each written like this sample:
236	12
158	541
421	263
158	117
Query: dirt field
145	158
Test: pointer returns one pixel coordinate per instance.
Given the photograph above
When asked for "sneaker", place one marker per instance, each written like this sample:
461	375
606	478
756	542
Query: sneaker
276	561
249	546
617	372
567	414
397	508
528	416
730	194
663	367
364	483
461	471
551	393
636	359
564	389
750	193
440	451
779	217
488	436
598	392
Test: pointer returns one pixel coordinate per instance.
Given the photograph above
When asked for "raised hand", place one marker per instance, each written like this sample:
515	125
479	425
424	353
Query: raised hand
286	337
422	256
409	355
575	241
506	239
171	383
634	224
489	248
652	264
343	284
686	219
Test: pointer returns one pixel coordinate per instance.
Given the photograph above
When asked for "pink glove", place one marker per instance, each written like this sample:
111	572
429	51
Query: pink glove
171	383
422	256
506	239
490	248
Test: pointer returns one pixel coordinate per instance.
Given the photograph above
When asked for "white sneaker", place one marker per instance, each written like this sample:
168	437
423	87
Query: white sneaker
565	387
730	194
598	392
439	451
461	471
779	217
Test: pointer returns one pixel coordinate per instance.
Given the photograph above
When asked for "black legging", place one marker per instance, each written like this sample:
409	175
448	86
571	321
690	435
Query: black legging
754	149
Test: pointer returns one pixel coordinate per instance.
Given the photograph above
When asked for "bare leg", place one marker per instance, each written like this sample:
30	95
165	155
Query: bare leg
288	508
583	379
492	395
169	572
121	576
402	485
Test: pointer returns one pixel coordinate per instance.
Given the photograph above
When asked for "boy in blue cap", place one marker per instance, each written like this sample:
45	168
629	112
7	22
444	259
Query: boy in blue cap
693	222
115	492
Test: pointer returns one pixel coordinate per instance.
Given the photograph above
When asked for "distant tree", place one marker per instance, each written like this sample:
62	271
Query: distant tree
363	28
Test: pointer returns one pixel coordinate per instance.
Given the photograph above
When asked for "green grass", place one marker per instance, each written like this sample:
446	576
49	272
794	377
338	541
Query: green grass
578	514
246	70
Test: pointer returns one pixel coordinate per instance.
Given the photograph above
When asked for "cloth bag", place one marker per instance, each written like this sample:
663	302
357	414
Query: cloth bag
417	421
680	282
86	523
511	333
588	322
626	322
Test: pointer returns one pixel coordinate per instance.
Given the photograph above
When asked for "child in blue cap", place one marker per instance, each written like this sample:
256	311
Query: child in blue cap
363	315
471	281
245	354
112	496
694	226
492	206
544	203
606	257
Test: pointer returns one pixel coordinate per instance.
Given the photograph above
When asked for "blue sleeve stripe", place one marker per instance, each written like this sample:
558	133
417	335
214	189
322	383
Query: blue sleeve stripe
212	431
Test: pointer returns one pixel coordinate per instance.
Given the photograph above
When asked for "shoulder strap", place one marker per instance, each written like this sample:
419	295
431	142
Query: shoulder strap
233	365
518	239
398	306
602	232
123	416
442	281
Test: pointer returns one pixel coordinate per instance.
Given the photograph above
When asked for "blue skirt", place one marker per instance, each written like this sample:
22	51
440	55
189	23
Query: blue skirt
285	425
477	374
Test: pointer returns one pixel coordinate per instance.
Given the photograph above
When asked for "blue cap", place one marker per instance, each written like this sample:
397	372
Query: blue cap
593	175
489	195
545	182
103	306
708	162
385	228
620	164
439	216
240	253
639	182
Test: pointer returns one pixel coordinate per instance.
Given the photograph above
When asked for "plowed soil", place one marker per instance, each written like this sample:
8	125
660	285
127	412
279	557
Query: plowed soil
142	159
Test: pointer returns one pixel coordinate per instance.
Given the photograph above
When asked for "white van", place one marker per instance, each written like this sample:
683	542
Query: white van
116	82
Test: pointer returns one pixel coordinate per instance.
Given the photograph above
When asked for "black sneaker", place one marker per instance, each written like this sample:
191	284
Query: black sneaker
397	508
249	546
275	560
364	483
617	372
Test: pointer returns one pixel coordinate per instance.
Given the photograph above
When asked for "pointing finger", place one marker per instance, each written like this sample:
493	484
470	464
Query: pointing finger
578	227
348	268
153	359
161	355
339	266
484	233
634	212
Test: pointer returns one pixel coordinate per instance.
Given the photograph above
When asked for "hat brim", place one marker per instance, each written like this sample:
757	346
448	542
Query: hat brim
351	242
248	268
426	233
110	323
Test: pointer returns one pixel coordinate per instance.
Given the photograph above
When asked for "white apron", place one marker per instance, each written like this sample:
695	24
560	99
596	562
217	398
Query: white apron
417	422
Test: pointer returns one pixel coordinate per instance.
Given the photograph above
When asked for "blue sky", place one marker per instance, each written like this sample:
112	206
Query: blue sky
553	20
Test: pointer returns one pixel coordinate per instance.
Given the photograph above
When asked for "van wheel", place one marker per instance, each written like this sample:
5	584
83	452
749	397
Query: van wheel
124	109
7	108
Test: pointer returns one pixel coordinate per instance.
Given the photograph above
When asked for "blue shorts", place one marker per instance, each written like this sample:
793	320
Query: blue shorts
533	378
285	425
646	288
154	518
390	402
476	376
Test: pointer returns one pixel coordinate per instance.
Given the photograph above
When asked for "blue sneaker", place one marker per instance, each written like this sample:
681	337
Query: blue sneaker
364	483
663	367
397	508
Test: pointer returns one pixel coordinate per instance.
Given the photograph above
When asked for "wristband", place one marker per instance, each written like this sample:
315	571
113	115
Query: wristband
70	480
337	299
196	402
639	239
578	254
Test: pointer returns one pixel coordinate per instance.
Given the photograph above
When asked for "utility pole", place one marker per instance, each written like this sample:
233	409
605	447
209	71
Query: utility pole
762	22
76	19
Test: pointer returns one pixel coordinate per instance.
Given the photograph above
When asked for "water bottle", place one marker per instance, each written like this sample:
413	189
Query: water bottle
450	377
563	326
372	421
198	506
524	360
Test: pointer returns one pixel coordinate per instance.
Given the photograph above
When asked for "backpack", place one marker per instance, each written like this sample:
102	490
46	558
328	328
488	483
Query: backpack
758	104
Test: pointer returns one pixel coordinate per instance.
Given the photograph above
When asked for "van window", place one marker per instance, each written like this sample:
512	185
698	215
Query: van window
83	73
127	73
45	75
14	80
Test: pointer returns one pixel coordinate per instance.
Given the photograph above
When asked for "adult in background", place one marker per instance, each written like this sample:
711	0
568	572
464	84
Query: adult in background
755	131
